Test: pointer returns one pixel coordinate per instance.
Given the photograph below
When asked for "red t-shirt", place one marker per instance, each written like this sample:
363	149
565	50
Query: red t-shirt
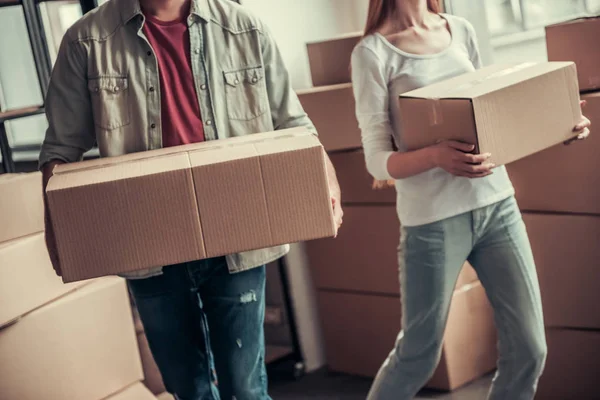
180	111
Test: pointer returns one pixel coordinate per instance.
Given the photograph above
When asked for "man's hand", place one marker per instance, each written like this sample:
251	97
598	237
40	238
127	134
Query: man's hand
47	172
582	128
338	213
336	198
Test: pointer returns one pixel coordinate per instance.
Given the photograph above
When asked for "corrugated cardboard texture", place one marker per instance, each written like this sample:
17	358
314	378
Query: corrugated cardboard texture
81	346
329	60
164	207
563	178
577	41
271	193
125	217
27	279
364	257
360	348
518	110
470	342
572	367
356	182
566	253
332	110
21	205
152	377
136	391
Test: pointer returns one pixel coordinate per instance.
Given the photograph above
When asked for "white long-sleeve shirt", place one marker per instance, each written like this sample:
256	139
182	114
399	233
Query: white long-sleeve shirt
380	73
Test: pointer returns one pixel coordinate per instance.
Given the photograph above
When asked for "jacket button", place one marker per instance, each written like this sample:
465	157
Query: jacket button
151	88
203	87
254	80
153	126
236	81
209	122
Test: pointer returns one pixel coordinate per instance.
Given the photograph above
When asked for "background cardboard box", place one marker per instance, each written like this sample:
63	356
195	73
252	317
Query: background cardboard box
566	252
165	396
360	348
27	279
485	107
137	391
577	41
364	256
572	367
563	178
110	217
330	59
332	110
81	346
21	205
356	182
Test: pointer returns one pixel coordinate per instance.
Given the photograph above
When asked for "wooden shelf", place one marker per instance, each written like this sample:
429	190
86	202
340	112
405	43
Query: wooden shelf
20	112
7	3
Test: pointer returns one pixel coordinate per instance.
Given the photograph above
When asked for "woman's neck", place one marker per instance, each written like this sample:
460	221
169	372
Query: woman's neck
410	13
166	10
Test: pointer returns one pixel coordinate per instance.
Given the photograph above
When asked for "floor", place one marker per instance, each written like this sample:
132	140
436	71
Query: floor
324	385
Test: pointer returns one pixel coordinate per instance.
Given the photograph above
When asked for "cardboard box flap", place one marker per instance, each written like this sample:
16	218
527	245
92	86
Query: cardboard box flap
322	89
287	144
220	155
111	170
484	81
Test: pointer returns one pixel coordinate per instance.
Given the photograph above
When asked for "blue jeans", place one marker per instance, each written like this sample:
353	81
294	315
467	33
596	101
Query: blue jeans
177	309
495	242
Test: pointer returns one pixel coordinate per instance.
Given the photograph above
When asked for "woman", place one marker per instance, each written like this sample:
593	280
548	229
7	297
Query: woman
453	205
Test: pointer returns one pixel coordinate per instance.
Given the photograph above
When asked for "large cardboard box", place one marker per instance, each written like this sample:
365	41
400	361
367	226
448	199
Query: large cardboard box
566	252
510	111
27	279
329	60
332	110
356	182
81	346
137	391
364	256
152	377
577	41
21	205
572	367
200	201
563	178
360	348
165	396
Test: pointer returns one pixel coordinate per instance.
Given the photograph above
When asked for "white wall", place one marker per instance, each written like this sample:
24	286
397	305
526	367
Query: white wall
296	22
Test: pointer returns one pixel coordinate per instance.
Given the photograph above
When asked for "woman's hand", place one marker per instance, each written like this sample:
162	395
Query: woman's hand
454	157
582	128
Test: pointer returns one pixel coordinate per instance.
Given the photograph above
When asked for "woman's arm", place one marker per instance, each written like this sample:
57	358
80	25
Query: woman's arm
372	111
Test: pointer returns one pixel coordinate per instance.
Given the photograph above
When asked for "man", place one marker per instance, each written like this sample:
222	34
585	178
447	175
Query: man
134	76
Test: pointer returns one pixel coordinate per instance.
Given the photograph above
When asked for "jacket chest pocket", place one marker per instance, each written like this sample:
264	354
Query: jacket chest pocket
110	101
246	93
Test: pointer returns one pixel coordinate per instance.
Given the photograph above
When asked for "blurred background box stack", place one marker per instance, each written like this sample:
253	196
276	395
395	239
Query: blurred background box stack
559	192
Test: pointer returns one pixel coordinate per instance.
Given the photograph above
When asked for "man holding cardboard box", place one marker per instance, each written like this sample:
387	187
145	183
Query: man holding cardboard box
135	76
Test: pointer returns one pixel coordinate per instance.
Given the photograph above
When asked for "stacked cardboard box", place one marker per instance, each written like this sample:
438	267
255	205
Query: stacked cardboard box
57	341
559	192
357	274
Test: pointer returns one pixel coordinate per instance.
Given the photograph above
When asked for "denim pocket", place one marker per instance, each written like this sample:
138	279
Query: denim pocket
246	93
110	101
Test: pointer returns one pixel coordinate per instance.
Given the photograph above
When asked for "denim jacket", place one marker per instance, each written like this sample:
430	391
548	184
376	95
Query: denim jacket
105	88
